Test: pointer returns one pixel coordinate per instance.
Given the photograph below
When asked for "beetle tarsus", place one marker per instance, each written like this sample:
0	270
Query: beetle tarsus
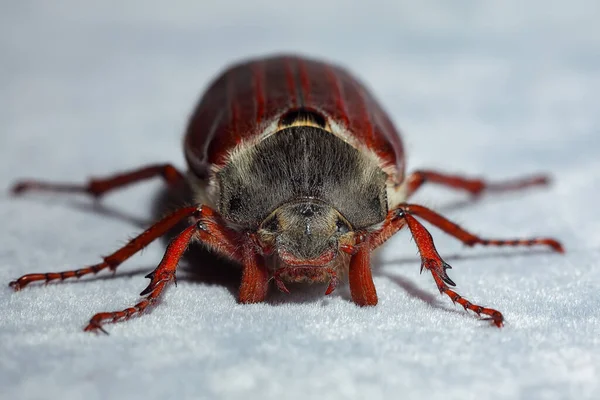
280	284
95	327
497	321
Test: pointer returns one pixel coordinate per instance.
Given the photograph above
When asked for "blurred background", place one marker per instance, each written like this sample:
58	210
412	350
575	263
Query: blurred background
495	89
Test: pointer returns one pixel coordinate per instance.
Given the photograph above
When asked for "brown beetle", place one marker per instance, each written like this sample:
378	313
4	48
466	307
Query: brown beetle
298	175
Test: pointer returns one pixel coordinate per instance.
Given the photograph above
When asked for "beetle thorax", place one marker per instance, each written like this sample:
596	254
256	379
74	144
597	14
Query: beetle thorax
301	163
300	190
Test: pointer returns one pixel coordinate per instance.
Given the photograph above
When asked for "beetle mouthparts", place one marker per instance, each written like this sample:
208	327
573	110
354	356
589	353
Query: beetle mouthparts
293	261
305	274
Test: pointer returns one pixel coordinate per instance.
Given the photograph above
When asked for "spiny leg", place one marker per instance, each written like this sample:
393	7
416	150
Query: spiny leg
98	187
115	259
431	260
160	277
393	224
468	238
401	215
210	230
473	186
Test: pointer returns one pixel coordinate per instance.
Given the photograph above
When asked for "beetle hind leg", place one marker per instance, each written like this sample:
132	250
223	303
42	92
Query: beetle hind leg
474	186
98	187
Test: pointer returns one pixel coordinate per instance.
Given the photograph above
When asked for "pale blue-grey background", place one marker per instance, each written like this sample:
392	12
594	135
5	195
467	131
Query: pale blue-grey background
487	88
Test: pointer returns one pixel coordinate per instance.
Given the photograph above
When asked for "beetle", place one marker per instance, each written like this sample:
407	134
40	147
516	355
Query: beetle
298	175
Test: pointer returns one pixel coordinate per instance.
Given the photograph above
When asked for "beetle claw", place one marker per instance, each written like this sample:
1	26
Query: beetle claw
332	285
280	285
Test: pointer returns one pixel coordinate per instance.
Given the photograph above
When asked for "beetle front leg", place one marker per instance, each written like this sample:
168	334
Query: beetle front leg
474	186
98	187
160	277
210	230
431	260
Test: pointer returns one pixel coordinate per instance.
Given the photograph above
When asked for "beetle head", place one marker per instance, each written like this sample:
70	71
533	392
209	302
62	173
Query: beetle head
304	233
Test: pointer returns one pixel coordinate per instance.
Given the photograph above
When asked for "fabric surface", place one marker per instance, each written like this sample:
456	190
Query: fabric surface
494	89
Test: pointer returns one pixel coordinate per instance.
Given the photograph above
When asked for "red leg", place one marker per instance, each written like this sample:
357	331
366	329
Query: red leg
98	187
473	186
209	231
362	288
393	224
160	277
468	238
431	260
255	277
119	256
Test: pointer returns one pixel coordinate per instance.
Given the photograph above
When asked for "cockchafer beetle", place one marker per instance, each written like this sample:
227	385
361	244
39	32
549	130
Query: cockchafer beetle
298	175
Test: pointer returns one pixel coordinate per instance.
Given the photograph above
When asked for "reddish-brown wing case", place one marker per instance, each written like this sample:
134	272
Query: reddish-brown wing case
247	99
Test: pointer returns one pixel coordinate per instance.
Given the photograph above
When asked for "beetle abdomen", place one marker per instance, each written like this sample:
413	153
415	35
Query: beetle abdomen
301	162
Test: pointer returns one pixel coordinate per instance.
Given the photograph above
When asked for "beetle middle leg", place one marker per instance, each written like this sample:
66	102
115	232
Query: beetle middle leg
99	186
115	259
393	224
468	238
474	186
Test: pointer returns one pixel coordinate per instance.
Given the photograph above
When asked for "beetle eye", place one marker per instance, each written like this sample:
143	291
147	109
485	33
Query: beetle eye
342	227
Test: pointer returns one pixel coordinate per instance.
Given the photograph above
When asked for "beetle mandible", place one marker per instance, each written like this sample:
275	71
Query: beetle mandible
298	175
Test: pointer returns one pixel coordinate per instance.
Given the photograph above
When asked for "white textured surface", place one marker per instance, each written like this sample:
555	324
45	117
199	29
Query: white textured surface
493	89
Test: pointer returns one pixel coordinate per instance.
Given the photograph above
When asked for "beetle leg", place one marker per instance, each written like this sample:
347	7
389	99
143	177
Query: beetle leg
362	288
255	276
468	238
473	186
393	224
160	277
333	281
115	259
98	187
431	260
210	230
